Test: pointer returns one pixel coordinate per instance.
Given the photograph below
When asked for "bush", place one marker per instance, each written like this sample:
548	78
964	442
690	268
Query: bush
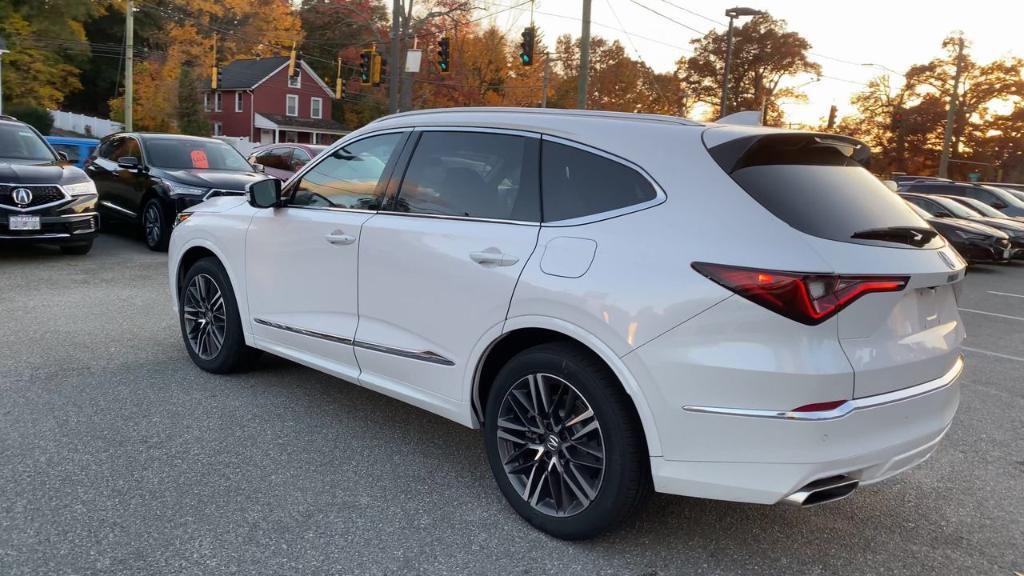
35	116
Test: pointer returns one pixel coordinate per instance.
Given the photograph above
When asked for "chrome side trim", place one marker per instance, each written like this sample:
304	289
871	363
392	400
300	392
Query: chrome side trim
847	407
78	215
113	206
35	237
215	192
304	332
423	356
462	218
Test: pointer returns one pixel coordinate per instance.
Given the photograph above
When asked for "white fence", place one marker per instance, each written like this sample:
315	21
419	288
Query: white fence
82	124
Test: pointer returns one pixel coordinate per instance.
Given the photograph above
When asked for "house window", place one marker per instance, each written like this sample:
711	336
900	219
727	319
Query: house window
291	105
206	101
295	81
316	107
291	136
218	129
238	101
218	102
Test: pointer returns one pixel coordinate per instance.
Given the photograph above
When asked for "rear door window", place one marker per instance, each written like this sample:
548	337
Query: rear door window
471	174
577	183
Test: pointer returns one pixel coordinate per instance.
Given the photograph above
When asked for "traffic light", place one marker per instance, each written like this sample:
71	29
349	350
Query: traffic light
526	48
832	116
444	55
365	58
382	70
216	79
375	68
339	89
293	71
897	120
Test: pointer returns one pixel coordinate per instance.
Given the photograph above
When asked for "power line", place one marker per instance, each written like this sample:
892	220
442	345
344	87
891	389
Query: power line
697	14
650	73
669	18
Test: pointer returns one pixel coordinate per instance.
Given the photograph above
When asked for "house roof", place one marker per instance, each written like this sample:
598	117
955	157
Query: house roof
303	124
244	74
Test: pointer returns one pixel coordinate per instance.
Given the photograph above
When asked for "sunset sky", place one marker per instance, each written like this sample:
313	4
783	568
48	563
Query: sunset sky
843	35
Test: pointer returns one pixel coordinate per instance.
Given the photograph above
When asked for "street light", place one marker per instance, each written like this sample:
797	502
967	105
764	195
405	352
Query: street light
732	14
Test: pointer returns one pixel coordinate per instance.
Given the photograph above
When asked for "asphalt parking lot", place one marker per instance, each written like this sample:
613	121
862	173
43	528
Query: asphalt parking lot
118	456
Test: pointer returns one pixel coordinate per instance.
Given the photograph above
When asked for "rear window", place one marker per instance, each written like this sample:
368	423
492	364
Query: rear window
577	183
819	187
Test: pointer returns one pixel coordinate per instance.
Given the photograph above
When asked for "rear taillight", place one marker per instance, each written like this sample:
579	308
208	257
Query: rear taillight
807	298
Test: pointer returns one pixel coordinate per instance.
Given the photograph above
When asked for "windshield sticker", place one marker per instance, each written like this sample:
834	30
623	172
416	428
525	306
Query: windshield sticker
199	159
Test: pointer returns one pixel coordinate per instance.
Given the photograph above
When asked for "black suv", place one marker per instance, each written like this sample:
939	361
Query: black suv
995	197
42	198
146	179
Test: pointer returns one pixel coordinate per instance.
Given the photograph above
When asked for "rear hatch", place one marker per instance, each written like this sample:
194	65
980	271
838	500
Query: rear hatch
819	186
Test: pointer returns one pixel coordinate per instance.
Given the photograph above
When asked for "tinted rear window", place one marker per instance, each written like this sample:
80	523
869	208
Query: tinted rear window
832	202
577	183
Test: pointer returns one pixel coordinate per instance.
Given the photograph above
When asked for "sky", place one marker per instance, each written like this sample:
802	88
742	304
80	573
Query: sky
843	35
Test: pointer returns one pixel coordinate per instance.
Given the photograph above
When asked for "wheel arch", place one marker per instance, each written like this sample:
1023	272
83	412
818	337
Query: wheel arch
524	332
193	251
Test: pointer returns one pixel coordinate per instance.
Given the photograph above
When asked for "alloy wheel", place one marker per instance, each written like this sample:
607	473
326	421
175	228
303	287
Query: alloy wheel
152	224
550	444
205	316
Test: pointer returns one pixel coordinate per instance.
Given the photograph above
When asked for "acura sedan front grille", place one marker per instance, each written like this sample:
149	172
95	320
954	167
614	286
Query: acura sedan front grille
24	197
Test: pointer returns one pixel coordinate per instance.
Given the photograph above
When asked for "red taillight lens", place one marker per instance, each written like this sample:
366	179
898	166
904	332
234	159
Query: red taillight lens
807	298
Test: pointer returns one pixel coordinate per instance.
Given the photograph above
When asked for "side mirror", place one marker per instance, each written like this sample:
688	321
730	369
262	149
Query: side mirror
264	193
259	167
62	156
128	162
891	185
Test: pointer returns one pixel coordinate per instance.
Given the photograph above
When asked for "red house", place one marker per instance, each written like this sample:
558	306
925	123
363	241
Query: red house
257	100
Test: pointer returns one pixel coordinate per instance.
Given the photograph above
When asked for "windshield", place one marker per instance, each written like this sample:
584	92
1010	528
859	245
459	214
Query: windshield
981	207
1005	196
919	211
187	154
955	208
22	143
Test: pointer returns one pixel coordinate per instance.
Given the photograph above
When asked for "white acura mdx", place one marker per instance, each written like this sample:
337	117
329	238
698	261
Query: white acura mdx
620	301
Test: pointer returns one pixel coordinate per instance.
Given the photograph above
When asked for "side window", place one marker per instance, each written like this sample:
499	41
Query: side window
299	159
950	190
106	150
350	177
277	158
126	147
982	195
578	183
72	150
472	174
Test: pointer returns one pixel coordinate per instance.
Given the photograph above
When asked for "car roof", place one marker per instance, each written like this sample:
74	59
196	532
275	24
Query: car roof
535	118
164	135
72	140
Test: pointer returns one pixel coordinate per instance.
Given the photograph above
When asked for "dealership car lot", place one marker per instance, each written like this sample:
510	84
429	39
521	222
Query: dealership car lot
117	455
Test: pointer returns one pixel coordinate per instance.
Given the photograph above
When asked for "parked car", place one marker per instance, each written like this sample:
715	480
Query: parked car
283	160
146	179
77	150
42	199
545	275
995	197
984	209
1016	189
947	207
908	178
975	242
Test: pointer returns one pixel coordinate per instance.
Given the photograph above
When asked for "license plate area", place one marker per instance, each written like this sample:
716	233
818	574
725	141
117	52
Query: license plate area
18	222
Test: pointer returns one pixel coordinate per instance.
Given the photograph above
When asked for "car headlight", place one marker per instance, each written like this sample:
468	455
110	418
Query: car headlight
177	188
80	188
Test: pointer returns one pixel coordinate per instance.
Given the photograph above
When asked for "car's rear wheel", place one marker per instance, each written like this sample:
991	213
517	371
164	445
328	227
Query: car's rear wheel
210	324
564	442
156	225
77	249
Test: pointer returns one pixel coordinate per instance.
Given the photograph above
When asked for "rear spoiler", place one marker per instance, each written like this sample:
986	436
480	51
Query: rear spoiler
807	148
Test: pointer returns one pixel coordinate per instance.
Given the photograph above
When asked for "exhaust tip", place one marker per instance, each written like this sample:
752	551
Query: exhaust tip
822	491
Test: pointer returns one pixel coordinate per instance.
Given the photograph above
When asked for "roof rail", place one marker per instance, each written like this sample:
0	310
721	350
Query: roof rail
544	111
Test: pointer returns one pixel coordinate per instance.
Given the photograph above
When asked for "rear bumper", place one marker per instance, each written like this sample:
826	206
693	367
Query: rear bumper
867	439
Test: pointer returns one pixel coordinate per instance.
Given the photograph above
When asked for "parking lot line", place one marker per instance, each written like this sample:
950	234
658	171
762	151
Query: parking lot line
1005	294
991	314
996	354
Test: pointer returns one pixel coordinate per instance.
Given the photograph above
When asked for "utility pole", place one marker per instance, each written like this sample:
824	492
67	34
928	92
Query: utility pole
547	71
723	107
394	69
581	91
947	136
129	72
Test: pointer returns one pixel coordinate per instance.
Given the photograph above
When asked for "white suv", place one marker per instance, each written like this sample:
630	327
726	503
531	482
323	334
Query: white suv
619	301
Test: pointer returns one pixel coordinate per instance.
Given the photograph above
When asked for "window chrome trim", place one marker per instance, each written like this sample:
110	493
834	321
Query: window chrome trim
421	355
659	197
113	206
67	197
847	407
461	218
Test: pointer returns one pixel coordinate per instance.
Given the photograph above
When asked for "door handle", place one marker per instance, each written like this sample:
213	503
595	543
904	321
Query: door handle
493	257
340	238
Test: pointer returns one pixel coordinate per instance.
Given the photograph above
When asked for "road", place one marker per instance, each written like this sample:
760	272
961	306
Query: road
118	456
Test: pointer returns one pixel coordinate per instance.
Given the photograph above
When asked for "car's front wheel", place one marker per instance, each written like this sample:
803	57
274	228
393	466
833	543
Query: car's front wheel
564	442
210	324
156	225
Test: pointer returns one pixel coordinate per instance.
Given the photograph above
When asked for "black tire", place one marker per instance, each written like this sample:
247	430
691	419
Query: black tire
232	355
155	223
77	249
624	483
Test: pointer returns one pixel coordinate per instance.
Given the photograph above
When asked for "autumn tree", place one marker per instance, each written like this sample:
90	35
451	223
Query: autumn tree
192	119
764	54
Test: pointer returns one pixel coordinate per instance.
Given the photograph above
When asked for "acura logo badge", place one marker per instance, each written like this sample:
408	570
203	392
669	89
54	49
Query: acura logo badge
552	443
22	196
